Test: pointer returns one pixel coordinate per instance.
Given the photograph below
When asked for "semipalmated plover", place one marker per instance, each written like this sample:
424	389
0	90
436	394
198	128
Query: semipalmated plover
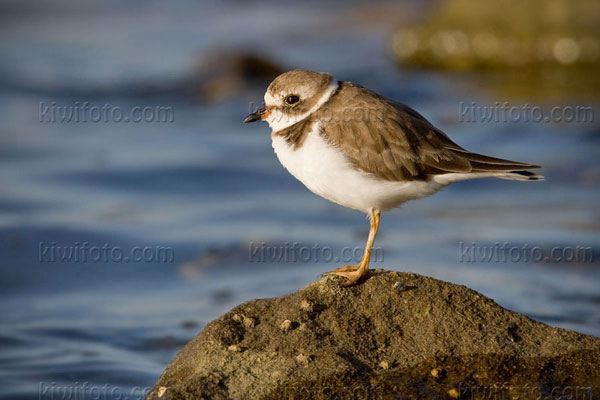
356	148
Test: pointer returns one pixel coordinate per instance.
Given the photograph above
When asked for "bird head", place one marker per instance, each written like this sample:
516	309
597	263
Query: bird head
292	96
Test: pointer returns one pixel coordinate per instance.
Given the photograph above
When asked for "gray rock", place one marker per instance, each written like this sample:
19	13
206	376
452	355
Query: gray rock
397	335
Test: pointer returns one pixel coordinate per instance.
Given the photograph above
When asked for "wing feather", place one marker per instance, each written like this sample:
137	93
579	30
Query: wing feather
396	143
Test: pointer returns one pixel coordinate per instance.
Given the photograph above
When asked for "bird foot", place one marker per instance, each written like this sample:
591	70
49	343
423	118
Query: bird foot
353	273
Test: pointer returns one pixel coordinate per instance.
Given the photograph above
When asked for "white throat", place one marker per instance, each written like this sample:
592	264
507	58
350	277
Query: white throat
278	120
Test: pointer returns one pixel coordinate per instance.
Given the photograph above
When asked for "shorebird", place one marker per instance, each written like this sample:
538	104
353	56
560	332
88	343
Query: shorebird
361	150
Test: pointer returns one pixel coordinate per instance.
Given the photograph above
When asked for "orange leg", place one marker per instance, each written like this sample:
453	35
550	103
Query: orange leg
354	273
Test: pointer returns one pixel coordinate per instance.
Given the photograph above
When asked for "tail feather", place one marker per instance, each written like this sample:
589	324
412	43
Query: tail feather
491	167
480	162
503	169
477	166
520	176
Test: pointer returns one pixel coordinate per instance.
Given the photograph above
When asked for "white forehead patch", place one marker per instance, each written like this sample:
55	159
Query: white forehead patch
270	100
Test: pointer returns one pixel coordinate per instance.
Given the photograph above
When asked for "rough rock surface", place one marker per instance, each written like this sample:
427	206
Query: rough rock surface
397	335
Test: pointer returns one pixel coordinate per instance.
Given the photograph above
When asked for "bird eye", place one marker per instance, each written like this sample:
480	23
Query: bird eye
292	99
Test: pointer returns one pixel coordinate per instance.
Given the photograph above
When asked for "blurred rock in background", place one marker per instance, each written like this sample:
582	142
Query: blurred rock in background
529	43
220	75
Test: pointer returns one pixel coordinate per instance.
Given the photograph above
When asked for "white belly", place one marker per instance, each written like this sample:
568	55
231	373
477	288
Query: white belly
326	172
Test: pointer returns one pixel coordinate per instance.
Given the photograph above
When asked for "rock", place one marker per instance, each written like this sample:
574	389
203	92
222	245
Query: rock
223	75
374	341
234	347
462	35
534	49
303	358
288	325
249	322
307	306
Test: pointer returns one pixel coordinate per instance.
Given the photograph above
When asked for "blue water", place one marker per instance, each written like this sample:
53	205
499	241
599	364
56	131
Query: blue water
210	188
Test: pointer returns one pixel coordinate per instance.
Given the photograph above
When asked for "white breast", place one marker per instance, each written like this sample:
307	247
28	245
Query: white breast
326	172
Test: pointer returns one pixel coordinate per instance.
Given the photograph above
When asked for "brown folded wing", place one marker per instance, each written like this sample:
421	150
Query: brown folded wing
394	142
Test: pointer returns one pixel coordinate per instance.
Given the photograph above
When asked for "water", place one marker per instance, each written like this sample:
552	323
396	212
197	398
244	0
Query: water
210	189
